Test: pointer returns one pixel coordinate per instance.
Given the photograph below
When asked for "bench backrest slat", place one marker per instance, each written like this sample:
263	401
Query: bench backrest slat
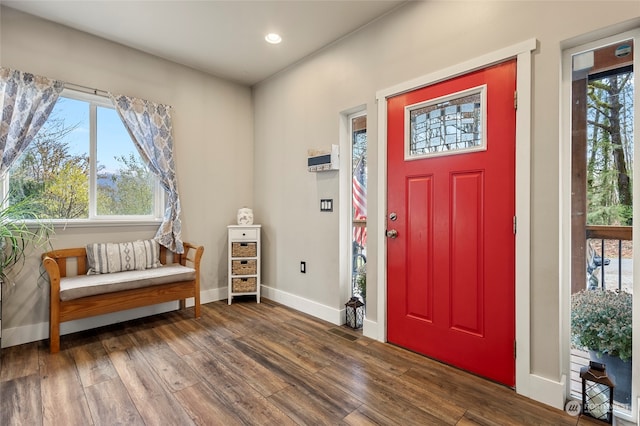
163	255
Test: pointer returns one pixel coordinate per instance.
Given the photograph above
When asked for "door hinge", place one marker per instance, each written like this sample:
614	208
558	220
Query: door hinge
515	225
515	99
514	350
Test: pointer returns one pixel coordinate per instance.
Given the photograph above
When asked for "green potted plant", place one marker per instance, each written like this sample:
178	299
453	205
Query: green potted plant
601	323
19	228
361	283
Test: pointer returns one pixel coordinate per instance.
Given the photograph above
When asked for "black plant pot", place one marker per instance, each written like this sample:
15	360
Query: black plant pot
620	372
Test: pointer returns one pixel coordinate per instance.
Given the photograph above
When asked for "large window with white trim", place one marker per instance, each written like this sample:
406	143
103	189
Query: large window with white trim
83	165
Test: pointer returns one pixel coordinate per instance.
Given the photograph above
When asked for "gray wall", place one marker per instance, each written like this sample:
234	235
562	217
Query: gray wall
300	109
213	135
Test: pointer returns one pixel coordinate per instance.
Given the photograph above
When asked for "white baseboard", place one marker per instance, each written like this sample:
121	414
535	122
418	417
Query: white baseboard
213	295
547	391
332	315
327	313
370	329
35	332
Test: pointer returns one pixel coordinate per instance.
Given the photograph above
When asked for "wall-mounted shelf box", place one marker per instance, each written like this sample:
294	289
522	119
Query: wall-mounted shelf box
323	160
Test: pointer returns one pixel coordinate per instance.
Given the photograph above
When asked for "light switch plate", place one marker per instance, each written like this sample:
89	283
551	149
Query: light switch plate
326	205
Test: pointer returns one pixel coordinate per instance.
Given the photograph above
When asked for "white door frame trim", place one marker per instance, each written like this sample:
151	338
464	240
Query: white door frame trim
541	389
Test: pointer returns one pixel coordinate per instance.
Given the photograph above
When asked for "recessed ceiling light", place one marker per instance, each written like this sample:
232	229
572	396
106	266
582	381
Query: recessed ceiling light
273	38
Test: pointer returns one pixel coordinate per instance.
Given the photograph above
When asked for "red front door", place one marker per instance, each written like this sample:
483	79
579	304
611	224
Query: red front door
451	199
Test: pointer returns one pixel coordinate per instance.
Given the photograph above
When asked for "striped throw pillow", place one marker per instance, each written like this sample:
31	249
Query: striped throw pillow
105	258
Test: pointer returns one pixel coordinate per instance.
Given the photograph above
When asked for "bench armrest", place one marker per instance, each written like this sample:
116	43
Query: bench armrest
53	270
193	254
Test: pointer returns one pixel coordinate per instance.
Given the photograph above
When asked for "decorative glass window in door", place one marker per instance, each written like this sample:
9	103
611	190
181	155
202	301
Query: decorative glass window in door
452	124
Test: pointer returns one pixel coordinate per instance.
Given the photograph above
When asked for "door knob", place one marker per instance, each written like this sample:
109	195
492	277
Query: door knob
392	233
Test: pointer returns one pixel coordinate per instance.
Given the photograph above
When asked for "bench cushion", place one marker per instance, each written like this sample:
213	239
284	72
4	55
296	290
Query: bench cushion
90	285
106	258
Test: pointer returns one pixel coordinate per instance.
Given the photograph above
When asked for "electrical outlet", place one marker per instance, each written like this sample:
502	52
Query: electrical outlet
303	267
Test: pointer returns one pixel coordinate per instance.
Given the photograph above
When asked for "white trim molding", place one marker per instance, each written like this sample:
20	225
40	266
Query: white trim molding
324	312
527	384
547	391
370	329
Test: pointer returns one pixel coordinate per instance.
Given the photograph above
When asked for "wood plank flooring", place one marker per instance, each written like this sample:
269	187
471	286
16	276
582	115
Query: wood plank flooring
247	364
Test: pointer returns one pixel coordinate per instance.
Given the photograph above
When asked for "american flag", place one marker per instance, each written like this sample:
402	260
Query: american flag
360	201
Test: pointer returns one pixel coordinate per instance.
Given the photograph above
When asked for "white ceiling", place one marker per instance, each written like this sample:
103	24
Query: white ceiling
223	38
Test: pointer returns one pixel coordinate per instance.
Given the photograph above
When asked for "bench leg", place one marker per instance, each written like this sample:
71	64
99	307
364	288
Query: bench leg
196	305
54	341
54	328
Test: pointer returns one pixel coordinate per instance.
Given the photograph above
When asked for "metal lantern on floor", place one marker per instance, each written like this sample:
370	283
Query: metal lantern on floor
597	392
354	311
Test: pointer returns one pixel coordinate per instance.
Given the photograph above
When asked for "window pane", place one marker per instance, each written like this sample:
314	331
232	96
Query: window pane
125	185
610	149
54	170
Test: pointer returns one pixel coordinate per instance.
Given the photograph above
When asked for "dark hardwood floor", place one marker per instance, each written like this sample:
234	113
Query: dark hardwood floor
248	363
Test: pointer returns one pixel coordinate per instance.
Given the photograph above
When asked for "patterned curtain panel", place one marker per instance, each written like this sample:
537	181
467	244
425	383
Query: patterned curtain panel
26	100
149	124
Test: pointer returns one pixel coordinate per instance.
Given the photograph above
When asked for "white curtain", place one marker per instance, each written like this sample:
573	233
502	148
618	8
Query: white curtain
149	124
26	100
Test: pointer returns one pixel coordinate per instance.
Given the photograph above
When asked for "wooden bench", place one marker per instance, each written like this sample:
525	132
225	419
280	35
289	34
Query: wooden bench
82	295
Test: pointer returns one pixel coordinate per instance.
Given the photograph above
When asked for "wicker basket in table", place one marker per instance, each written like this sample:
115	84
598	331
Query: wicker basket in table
243	249
243	267
243	285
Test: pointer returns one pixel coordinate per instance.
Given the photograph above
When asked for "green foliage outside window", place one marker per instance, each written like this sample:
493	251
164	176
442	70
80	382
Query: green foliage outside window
610	150
130	192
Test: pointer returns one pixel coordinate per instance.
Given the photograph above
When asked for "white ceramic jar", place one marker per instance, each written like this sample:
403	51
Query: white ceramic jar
245	216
